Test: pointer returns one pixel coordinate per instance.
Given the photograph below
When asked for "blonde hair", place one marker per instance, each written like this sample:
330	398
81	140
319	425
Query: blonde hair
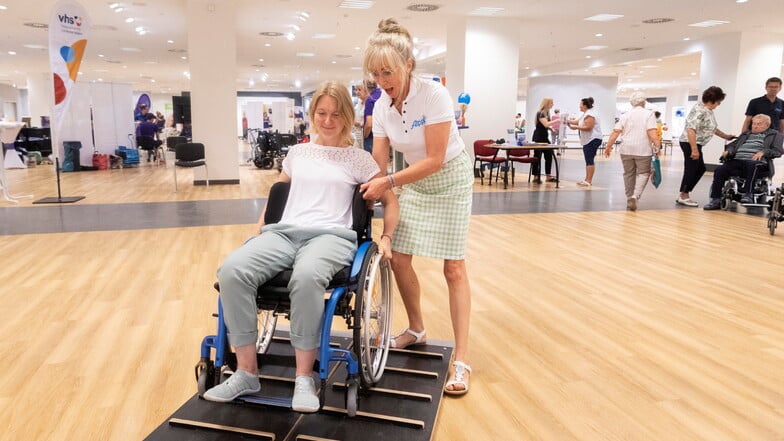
339	92
545	106
390	47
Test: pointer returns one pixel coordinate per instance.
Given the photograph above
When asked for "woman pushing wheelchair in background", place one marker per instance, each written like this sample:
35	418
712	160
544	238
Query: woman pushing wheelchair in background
314	238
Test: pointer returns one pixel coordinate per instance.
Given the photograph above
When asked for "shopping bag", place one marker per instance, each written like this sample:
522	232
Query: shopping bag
656	168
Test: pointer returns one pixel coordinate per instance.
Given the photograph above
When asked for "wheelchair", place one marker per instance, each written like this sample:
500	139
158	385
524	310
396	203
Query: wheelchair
761	189
270	149
776	213
360	294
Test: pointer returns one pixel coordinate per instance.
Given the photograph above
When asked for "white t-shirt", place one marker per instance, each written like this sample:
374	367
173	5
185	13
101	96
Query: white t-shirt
322	184
634	126
428	102
587	136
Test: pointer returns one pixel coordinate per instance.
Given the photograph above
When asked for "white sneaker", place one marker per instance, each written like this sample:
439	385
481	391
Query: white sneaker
240	383
305	399
686	202
584	184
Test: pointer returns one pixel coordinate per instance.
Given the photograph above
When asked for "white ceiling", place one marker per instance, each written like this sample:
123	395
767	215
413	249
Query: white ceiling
552	35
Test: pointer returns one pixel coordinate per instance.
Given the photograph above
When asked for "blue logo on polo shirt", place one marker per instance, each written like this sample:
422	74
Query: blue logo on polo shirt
418	122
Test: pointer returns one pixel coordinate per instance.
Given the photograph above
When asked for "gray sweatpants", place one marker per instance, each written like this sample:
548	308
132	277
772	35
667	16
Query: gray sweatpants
314	254
636	173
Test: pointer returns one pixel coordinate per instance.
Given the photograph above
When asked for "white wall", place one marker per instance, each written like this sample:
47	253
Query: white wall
567	91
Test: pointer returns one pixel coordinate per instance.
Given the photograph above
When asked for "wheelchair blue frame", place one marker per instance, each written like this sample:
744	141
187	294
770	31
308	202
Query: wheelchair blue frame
327	354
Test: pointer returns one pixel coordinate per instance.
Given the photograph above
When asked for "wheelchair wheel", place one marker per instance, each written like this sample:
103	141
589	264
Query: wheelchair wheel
205	376
775	212
372	318
772	223
352	397
267	163
267	322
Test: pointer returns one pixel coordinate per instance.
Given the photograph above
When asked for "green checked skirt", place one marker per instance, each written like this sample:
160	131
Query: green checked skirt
434	213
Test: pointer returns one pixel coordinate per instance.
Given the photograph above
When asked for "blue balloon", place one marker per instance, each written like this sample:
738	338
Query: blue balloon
464	98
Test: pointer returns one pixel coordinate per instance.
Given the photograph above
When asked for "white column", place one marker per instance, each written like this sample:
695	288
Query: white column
676	97
212	57
739	63
487	52
40	96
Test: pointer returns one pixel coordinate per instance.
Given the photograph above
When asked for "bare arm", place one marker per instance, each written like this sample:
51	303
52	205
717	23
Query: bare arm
436	138
611	142
545	122
588	124
368	126
391	216
723	135
653	136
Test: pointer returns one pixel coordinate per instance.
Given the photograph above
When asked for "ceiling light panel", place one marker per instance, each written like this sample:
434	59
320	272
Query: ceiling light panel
604	17
594	47
486	11
356	4
708	23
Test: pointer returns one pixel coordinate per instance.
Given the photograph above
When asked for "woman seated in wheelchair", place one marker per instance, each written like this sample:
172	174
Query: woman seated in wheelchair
314	238
751	156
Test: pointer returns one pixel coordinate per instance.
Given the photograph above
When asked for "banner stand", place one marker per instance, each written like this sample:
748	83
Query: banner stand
59	199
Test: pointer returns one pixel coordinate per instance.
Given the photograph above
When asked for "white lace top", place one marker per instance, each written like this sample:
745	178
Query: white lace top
322	184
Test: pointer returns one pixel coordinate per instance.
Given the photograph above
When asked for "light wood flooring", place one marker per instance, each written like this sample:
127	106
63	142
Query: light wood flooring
658	325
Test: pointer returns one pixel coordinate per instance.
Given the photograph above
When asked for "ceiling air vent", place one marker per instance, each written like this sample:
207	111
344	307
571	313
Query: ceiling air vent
658	20
271	34
631	49
178	51
422	7
37	25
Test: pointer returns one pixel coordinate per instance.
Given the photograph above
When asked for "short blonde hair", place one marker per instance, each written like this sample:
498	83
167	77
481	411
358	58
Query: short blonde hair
389	48
762	117
340	93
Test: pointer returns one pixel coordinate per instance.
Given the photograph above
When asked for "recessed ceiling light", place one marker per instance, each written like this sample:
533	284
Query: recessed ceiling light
306	54
295	27
261	59
334	62
100	55
290	36
34	46
323	36
129	20
686	39
114	5
593	48
741	1
485	11
267	44
588	56
170	41
3	7
11	53
708	23
603	17
118	9
304	14
130	49
598	35
356	4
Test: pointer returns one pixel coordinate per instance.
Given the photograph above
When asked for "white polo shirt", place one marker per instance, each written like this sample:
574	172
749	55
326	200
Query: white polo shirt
428	102
634	126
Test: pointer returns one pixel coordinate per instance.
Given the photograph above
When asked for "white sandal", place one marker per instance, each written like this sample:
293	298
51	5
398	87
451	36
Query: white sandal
460	378
420	338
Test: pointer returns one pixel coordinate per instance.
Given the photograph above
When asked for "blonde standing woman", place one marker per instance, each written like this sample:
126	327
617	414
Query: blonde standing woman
415	117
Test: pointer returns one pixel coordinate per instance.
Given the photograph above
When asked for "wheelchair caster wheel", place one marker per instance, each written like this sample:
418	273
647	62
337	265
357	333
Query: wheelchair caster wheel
205	376
267	163
352	397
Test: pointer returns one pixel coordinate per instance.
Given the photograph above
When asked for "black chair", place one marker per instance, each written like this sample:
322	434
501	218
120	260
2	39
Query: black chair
172	142
152	145
190	155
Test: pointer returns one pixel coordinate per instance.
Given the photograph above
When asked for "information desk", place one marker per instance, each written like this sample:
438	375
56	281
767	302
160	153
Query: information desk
532	146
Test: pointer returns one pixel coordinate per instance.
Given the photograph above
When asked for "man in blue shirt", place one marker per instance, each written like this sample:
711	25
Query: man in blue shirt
767	104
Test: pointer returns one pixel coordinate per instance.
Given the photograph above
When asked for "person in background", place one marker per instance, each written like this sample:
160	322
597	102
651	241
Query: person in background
373	94
518	124
659	125
149	128
590	137
637	129
244	126
361	92
313	237
698	131
555	125
768	104
541	135
753	151
416	117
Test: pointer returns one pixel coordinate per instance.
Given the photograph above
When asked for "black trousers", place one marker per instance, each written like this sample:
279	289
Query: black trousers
693	169
751	170
536	167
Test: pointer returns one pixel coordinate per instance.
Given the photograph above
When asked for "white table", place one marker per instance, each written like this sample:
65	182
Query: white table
8	132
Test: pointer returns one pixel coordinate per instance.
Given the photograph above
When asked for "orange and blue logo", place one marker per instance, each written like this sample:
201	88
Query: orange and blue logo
72	55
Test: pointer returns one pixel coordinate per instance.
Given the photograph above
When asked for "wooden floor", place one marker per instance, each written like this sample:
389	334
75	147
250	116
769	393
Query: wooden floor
590	326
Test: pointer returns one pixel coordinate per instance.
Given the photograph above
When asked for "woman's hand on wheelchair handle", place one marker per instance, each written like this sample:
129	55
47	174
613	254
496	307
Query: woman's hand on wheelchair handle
374	188
385	247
